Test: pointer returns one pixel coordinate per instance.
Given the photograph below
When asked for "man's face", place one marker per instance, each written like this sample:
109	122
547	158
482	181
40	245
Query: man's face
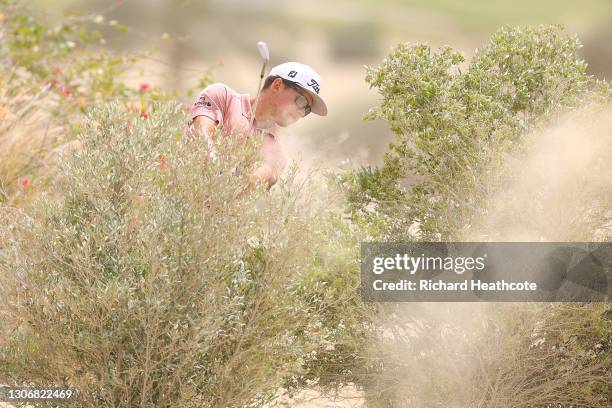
286	110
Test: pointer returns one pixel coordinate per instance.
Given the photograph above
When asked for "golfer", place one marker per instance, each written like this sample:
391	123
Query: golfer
290	92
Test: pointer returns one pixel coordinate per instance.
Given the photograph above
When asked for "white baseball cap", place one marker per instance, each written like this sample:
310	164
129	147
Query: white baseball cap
305	77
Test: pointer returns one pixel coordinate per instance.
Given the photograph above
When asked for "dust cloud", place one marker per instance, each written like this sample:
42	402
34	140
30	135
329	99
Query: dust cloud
563	186
435	354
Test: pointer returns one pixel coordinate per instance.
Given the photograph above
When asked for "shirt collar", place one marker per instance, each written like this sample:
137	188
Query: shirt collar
246	112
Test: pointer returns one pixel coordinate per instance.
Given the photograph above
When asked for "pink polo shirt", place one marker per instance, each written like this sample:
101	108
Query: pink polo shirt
230	111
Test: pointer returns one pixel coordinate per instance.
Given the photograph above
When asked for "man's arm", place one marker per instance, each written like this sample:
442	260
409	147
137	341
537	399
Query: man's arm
207	113
204	127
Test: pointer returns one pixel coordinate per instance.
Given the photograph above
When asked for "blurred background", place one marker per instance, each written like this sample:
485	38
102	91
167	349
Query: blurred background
338	39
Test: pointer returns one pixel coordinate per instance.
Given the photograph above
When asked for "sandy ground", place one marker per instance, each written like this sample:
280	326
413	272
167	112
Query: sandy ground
7	405
348	397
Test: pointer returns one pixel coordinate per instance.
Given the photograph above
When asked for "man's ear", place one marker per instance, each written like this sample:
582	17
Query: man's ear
277	84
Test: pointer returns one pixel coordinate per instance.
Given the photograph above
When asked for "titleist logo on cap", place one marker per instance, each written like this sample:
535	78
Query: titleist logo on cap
311	82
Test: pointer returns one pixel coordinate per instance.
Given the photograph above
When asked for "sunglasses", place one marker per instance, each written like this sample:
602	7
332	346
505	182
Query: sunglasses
301	101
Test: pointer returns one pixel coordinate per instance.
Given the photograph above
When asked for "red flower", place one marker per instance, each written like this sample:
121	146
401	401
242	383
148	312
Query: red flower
56	70
67	91
144	114
144	87
24	182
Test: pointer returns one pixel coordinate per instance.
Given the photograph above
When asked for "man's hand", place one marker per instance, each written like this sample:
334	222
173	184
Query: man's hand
263	174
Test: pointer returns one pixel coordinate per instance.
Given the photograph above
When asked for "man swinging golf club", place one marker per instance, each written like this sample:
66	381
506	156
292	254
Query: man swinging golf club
290	92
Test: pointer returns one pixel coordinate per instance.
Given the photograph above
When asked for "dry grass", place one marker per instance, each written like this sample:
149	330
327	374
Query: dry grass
27	135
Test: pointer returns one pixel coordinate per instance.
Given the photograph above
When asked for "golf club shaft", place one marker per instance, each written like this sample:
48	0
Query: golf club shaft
263	68
265	55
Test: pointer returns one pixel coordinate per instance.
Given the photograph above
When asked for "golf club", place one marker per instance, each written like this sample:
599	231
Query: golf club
265	55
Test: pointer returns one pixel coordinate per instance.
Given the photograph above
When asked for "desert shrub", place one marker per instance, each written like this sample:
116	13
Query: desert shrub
466	134
69	56
342	323
50	75
140	280
455	128
148	241
550	355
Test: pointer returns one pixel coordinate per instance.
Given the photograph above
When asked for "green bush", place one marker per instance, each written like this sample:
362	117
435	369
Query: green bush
464	134
455	128
50	75
65	65
139	279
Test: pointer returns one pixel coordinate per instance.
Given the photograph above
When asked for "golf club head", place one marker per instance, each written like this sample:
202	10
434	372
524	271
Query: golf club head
263	50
